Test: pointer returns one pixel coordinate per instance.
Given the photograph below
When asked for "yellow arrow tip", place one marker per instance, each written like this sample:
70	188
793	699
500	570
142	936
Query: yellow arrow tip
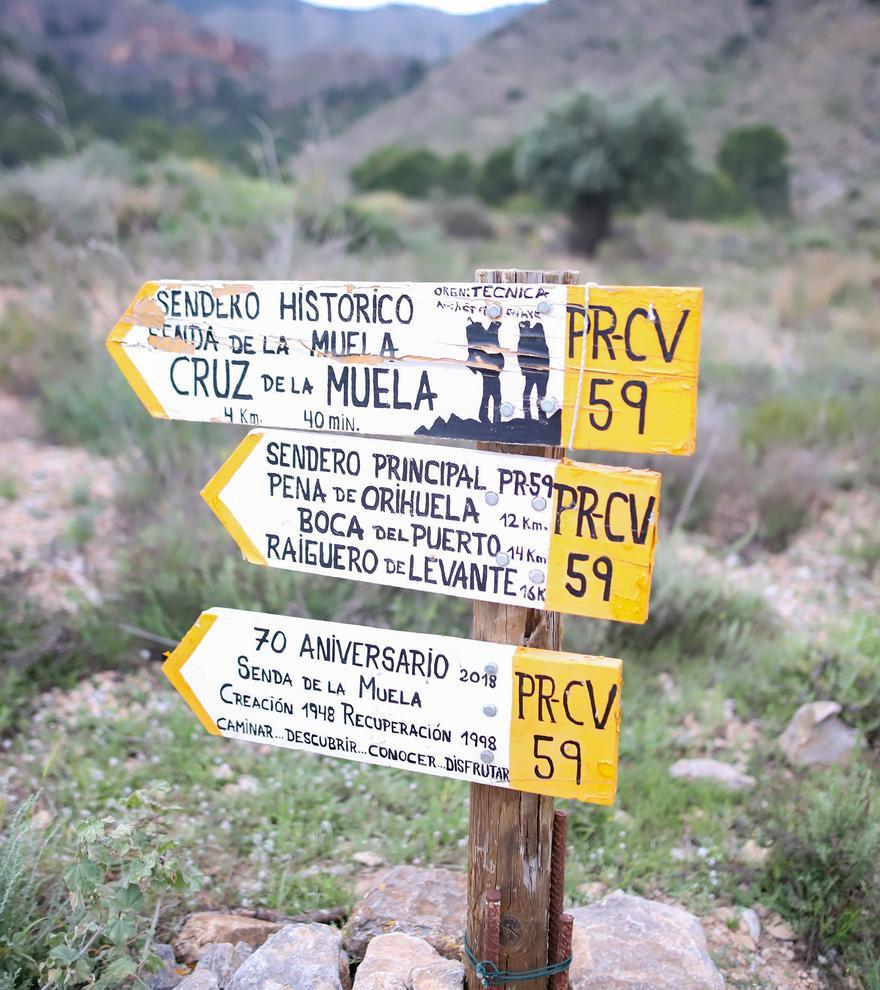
212	491
143	310
173	667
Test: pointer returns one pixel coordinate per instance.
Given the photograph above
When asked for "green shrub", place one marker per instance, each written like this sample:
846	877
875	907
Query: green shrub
806	416
21	217
350	225
790	487
755	158
24	907
706	195
458	174
25	139
38	650
411	172
692	616
496	180
465	219
847	668
823	872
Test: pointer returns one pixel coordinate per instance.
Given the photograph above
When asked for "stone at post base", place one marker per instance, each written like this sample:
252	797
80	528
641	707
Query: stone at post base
223	960
299	957
396	961
630	943
202	979
427	903
206	928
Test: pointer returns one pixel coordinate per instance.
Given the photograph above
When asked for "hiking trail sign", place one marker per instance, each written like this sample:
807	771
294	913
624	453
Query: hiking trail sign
518	718
586	367
557	535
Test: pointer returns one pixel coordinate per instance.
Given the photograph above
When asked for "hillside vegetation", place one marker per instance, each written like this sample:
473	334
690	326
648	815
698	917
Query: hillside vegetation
809	67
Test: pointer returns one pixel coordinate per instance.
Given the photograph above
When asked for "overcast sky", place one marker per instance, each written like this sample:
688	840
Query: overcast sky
451	6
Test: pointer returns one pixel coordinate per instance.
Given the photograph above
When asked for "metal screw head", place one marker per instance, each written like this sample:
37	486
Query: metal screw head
548	404
539	503
490	668
493	310
506	409
543	306
491	498
490	710
487	756
502	559
536	576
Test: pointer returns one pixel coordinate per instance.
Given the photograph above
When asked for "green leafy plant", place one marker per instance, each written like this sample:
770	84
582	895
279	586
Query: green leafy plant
117	884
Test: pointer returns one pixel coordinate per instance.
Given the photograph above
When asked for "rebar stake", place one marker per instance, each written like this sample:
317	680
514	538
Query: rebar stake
566	927
557	883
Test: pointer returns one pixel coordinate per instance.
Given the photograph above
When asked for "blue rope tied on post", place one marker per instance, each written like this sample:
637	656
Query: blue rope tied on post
490	975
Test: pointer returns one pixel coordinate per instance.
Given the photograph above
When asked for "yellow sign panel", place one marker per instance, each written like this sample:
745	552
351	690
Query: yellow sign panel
602	541
631	367
565	725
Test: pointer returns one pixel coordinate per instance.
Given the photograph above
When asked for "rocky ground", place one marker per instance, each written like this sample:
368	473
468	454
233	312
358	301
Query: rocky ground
405	934
56	512
823	575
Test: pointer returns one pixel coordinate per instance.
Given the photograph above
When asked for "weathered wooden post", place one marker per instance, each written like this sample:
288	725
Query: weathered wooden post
509	842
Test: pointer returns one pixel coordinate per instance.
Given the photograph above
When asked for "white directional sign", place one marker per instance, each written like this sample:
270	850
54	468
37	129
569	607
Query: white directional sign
530	720
599	368
529	531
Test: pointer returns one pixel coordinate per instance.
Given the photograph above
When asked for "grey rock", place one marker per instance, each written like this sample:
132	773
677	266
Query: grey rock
446	975
299	957
630	943
713	771
395	954
382	981
170	975
200	979
241	951
428	903
369	859
817	737
217	959
223	960
749	920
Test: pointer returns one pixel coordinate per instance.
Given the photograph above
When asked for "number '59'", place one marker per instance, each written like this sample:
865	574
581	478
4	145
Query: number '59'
601	567
545	748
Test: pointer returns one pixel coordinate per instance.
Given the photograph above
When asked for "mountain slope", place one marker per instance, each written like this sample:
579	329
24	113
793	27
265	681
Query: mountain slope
290	27
129	45
808	66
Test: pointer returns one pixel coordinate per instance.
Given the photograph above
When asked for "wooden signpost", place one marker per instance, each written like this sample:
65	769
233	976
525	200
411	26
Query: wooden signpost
586	367
525	363
556	535
518	718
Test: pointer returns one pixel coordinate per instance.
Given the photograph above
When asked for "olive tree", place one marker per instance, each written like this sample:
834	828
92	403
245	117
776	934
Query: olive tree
589	159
